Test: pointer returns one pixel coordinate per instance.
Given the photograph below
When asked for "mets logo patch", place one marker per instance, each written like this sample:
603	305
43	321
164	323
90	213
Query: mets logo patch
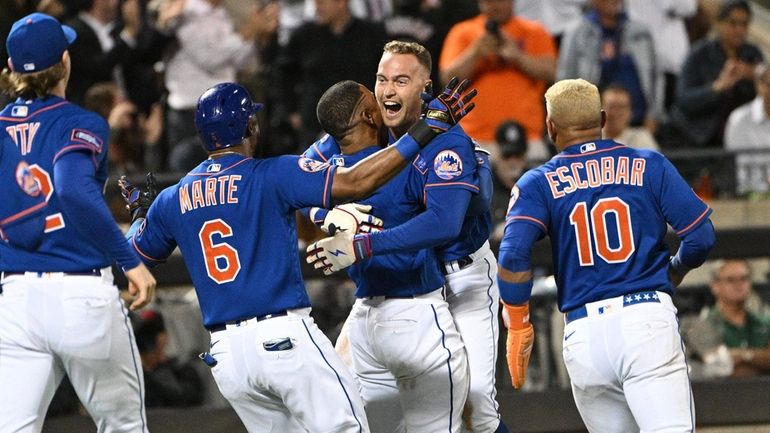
448	165
26	180
311	165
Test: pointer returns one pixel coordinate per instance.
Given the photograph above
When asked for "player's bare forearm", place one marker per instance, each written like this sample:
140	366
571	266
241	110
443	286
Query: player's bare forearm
367	176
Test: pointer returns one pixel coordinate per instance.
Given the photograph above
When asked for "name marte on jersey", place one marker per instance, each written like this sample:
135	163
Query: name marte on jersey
594	173
211	191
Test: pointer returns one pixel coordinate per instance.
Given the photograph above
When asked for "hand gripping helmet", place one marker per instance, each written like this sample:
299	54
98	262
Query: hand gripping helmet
222	116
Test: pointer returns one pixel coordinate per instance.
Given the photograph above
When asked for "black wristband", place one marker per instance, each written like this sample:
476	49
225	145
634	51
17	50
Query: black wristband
422	133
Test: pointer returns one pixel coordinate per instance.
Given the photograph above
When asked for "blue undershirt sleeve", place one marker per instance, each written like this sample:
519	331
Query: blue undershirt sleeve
515	253
694	248
81	199
438	224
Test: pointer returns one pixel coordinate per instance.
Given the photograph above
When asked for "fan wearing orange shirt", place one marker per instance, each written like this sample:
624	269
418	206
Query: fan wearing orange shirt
509	60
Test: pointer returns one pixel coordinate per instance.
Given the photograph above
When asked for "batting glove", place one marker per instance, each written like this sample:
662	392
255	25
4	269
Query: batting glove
444	112
349	217
138	200
521	337
448	108
338	252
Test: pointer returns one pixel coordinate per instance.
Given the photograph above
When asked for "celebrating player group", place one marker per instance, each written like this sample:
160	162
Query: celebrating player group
404	195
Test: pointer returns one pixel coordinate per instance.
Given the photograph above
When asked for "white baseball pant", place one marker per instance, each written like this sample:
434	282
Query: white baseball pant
414	340
474	300
55	324
627	366
286	388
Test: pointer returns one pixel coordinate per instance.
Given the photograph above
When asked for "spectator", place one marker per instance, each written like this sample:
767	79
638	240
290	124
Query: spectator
133	134
336	46
665	20
729	322
616	102
510	60
748	128
507	168
209	51
416	21
102	45
606	47
717	77
557	16
167	383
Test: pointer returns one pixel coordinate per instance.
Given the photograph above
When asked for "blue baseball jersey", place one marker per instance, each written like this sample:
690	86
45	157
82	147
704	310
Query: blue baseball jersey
43	130
234	222
448	161
477	223
22	198
606	208
396	274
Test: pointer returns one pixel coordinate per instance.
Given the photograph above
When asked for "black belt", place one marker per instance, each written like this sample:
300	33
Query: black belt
88	273
222	326
456	265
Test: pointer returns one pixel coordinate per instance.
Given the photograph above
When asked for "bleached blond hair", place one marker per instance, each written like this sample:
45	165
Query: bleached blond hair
574	104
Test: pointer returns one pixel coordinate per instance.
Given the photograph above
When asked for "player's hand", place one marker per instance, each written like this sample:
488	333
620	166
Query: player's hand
138	200
521	337
351	217
141	285
449	108
339	251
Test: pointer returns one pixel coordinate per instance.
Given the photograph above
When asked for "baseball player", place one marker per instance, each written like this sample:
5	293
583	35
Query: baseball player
456	222
233	220
400	302
606	207
21	216
61	312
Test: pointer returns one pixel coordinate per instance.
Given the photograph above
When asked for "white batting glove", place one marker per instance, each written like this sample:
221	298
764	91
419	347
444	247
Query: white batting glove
350	217
339	251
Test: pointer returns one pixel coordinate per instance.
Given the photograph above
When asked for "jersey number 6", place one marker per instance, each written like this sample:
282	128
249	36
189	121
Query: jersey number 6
222	262
596	232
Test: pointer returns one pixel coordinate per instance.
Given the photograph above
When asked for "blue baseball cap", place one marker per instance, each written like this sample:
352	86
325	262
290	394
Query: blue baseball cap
36	42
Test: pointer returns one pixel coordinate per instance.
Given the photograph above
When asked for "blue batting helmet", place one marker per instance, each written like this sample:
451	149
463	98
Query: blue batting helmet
222	116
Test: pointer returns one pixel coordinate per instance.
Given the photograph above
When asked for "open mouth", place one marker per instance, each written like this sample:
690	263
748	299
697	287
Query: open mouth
391	108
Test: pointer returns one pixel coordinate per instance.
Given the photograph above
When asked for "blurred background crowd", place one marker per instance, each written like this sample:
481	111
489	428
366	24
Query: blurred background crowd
688	78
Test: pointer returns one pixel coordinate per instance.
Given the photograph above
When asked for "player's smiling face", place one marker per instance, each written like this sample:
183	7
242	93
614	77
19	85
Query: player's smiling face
400	80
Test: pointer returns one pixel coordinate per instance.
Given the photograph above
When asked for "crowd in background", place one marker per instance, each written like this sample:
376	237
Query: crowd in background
673	71
678	76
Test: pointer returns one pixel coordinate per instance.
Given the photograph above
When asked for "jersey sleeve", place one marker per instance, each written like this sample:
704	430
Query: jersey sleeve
153	241
453	163
323	149
85	132
302	182
683	210
527	203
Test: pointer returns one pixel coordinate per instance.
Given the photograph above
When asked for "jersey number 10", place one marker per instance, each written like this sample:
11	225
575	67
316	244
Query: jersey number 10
591	229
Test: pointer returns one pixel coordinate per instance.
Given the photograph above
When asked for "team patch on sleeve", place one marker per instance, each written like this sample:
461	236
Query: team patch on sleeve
311	165
26	180
83	136
448	165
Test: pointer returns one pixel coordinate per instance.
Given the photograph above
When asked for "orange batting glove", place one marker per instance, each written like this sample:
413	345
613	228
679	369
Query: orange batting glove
521	337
